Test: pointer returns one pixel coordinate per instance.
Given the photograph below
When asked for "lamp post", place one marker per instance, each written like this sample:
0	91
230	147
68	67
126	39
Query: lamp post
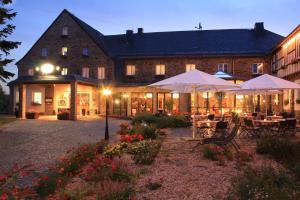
125	96
106	93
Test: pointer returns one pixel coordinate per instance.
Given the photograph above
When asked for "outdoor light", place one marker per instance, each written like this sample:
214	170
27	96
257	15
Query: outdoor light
37	69
106	92
117	101
239	96
57	68
149	95
47	68
125	95
175	95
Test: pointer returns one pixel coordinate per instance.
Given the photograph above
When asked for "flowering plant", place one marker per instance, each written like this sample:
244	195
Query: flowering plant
115	149
124	129
132	138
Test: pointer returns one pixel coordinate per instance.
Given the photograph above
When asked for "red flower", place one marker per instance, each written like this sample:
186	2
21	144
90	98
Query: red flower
113	167
61	170
2	178
4	196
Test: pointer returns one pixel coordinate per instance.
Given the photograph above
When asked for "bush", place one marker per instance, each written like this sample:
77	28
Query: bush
211	152
144	152
148	118
264	183
148	131
63	116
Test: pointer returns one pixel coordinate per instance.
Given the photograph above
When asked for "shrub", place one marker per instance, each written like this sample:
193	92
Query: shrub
63	116
144	152
264	183
115	149
148	131
211	152
148	118
124	129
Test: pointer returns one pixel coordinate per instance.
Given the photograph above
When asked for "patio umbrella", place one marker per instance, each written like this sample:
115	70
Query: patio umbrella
266	83
193	81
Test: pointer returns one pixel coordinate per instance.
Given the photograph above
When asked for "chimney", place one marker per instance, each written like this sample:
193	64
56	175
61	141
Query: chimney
129	34
259	28
140	31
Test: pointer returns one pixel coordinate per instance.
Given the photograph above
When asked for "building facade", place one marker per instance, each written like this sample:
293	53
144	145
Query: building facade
69	65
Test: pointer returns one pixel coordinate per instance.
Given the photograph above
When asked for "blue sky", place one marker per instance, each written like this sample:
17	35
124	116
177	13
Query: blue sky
115	16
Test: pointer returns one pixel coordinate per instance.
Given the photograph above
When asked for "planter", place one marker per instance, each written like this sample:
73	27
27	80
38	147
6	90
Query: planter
32	115
63	116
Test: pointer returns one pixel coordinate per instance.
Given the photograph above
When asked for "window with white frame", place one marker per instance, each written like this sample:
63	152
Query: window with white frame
223	67
101	72
44	52
65	31
37	97
30	72
85	51
257	68
160	69
64	71
130	70
64	51
85	72
190	67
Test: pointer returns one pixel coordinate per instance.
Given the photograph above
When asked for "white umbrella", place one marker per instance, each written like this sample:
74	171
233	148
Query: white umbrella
266	83
194	81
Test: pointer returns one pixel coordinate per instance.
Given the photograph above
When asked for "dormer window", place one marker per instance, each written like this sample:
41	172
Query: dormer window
257	68
65	31
223	67
85	51
85	72
64	71
64	51
44	52
160	70
190	67
30	72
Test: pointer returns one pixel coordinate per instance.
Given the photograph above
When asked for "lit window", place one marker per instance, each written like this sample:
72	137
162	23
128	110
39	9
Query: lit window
30	72
37	97
160	70
85	51
101	73
64	51
257	68
85	72
64	71
44	52
190	67
223	67
65	31
130	70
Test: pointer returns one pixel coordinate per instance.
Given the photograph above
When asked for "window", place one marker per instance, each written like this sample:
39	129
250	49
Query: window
190	67
130	70
223	67
65	31
85	51
64	71
64	51
101	73
160	70
257	68
44	52
37	97
30	72
85	72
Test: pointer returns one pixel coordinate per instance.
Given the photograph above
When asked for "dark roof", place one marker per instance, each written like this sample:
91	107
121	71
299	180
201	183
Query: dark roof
197	42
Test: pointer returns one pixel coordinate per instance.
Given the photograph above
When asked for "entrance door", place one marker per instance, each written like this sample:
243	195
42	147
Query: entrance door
83	103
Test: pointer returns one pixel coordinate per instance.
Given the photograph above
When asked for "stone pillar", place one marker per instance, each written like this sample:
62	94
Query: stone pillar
184	103
292	101
154	100
129	105
73	104
22	101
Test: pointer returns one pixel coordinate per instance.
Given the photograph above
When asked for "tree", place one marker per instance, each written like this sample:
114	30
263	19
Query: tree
7	29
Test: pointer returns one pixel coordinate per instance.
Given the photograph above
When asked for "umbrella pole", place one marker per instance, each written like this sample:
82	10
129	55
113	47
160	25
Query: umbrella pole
266	105
194	118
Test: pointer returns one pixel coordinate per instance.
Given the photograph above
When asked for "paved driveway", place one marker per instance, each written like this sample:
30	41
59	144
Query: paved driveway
41	141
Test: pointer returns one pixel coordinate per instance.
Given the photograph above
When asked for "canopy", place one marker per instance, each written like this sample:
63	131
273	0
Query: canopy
194	80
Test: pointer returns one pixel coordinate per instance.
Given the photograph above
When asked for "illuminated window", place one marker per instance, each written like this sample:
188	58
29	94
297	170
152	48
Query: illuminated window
65	31
85	51
37	97
223	67
85	72
190	67
130	70
44	52
64	71
30	72
64	51
257	68
160	69
101	73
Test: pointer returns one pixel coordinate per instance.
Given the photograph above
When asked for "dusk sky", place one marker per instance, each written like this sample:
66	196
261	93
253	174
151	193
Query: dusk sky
115	16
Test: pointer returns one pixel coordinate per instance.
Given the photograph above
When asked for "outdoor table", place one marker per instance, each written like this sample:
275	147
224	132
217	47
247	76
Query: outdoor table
274	117
266	125
210	124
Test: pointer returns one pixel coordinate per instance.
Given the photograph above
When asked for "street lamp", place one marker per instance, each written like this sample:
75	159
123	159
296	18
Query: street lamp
106	93
125	96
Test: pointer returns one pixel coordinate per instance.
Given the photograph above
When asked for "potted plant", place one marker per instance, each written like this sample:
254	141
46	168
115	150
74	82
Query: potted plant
32	115
65	115
297	101
286	102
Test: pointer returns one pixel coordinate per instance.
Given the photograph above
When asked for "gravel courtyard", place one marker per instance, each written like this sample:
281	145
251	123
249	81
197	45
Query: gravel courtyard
41	141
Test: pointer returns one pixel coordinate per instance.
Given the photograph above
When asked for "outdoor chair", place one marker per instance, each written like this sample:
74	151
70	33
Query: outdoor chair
291	126
203	129
221	128
223	142
211	117
243	129
281	128
252	130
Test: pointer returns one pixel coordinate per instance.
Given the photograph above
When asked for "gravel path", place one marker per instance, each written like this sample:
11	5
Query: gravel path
40	142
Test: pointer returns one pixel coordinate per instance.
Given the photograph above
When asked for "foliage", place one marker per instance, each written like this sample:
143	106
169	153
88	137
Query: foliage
4	101
131	138
115	149
144	152
124	129
286	102
264	183
6	15
148	131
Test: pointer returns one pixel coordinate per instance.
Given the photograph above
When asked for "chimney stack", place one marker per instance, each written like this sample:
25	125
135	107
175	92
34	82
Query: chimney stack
129	34
259	28
140	31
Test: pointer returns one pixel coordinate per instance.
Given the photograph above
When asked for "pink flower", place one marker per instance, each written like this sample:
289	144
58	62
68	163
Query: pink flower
113	167
2	178
3	197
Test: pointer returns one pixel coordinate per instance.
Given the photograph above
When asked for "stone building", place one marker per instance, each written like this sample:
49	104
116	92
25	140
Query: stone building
69	65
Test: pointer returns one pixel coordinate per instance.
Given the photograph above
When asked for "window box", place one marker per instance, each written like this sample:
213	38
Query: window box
32	115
